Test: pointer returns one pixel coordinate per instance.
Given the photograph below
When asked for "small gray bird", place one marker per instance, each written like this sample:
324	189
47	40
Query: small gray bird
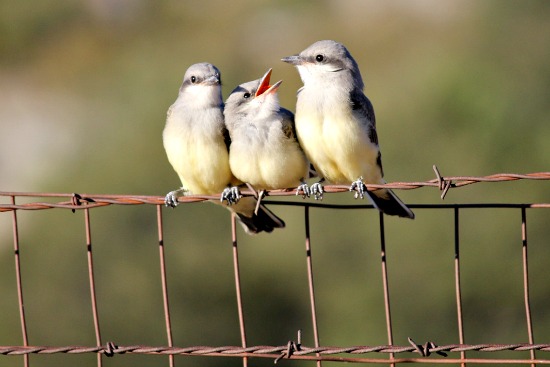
196	142
336	125
264	151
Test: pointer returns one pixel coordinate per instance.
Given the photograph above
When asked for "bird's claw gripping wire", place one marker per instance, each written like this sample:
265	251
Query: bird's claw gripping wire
231	195
316	190
304	190
359	188
171	199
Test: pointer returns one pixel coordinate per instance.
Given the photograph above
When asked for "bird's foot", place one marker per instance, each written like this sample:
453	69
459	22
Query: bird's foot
316	190
171	199
231	195
359	188
304	190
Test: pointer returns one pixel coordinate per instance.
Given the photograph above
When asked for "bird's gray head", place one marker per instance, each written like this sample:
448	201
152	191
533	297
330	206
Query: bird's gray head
252	100
327	61
202	85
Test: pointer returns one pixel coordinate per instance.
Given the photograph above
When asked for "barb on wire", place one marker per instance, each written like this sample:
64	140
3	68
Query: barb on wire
426	349
444	185
110	349
77	199
291	348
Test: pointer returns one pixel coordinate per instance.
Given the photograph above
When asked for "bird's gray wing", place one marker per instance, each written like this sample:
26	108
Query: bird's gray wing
289	128
362	107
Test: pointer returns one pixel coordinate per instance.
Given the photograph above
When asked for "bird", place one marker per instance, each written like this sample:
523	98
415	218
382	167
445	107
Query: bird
336	125
264	150
196	142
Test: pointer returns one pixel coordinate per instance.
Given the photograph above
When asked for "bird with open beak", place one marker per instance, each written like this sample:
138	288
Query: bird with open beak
264	150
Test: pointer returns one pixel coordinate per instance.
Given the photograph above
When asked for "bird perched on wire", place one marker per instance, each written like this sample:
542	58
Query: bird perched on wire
336	125
264	151
196	142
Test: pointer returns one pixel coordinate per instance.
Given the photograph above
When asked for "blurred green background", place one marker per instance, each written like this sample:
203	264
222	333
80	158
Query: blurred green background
84	89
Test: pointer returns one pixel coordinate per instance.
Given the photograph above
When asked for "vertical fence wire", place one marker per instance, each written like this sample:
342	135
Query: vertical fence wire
19	283
309	263
386	285
458	289
164	284
238	284
526	281
92	281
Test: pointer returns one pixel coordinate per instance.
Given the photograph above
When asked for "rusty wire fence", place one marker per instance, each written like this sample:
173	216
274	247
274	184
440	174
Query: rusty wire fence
388	354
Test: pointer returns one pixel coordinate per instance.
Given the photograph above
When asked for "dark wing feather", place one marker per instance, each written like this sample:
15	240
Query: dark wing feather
226	137
289	128
362	106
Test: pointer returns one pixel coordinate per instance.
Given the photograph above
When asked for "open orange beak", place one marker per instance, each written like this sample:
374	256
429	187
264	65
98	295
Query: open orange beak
264	87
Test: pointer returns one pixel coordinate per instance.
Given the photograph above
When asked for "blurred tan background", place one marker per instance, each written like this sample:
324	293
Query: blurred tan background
84	89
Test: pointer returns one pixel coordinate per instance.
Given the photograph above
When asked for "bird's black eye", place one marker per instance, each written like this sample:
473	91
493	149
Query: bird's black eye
319	58
246	95
193	79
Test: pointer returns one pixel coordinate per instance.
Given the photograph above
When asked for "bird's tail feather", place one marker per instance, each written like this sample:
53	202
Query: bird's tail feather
252	223
388	203
265	220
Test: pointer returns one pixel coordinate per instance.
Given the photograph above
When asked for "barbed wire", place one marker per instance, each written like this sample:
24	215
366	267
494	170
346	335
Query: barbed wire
294	351
97	200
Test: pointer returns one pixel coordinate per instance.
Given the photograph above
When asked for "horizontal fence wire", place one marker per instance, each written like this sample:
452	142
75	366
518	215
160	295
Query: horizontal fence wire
301	350
96	200
292	349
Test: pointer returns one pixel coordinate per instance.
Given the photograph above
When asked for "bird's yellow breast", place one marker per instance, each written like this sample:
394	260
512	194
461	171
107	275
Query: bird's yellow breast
271	163
200	158
338	145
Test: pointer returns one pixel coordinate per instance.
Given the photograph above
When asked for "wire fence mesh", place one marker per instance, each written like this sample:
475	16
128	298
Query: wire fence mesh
389	354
